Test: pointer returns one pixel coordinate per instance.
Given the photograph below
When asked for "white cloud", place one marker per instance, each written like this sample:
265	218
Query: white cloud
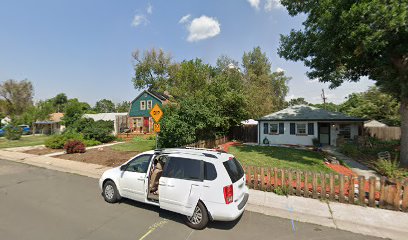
279	69
185	18
254	3
139	19
272	4
202	28
149	8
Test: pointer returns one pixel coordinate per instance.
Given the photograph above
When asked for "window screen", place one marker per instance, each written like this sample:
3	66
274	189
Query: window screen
209	171
183	168
274	128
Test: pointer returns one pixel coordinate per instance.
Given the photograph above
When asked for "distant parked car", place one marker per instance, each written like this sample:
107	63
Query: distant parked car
25	128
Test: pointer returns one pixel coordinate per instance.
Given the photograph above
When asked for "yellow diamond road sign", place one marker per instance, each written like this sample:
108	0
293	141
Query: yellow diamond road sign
157	127
156	113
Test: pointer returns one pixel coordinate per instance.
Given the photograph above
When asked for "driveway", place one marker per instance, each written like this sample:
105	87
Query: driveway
39	204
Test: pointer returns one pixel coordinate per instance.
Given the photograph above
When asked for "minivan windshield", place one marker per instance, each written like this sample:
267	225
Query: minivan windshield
234	169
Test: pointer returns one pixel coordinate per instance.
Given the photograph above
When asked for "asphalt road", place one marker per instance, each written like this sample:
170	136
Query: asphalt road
40	204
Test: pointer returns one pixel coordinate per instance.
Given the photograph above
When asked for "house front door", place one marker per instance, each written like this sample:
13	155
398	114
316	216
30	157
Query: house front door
324	133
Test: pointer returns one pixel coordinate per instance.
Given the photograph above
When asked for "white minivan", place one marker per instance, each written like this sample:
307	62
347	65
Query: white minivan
201	184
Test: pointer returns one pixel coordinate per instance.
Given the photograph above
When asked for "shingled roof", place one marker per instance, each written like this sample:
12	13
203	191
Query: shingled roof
308	113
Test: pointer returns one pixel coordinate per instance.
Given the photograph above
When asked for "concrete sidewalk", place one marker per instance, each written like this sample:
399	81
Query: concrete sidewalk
362	220
85	169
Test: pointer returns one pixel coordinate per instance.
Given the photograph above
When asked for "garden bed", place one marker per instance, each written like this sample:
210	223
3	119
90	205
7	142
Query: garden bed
103	156
114	155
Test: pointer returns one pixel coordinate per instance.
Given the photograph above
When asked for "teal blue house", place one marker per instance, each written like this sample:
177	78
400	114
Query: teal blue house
140	120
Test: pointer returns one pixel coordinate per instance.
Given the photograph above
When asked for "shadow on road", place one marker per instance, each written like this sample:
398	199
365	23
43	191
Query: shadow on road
178	217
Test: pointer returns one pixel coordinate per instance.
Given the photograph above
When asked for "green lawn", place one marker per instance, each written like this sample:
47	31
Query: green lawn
280	157
25	141
135	146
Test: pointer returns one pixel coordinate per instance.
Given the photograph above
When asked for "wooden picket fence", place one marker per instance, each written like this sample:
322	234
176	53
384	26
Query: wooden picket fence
383	193
211	143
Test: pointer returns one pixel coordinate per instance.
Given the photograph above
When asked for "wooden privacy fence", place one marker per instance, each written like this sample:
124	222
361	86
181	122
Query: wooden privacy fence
245	133
384	133
211	143
383	193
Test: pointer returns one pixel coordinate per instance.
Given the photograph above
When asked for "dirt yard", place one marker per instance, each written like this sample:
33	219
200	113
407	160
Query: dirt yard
104	156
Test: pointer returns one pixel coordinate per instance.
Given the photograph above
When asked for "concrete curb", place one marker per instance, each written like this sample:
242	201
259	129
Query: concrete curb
357	219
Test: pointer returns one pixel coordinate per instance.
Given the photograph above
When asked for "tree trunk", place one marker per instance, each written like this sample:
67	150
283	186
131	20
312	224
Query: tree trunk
404	132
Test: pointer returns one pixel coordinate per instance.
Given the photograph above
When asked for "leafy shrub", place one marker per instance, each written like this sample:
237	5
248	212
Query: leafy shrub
390	169
13	133
91	142
315	142
55	142
351	150
58	141
74	146
281	190
151	137
100	130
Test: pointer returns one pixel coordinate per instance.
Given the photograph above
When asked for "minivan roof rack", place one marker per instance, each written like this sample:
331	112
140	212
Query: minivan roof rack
179	151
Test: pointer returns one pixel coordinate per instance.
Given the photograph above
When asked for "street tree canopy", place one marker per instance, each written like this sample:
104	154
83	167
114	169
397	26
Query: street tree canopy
343	40
104	106
17	96
206	101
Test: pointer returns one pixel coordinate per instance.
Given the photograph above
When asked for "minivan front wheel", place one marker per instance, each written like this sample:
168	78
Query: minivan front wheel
110	192
199	219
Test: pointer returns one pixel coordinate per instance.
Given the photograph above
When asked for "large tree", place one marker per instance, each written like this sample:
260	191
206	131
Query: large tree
266	89
104	106
59	101
123	106
297	101
343	40
17	96
73	111
373	104
151	69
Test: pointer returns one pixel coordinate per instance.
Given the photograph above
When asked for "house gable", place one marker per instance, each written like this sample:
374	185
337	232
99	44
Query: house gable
145	96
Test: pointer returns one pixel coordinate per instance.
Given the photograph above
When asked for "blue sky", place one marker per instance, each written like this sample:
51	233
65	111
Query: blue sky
83	48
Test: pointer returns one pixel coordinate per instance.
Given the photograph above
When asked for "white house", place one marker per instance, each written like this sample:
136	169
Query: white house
300	124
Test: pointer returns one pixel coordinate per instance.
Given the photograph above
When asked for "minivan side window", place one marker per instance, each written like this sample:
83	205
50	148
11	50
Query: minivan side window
209	171
183	168
139	164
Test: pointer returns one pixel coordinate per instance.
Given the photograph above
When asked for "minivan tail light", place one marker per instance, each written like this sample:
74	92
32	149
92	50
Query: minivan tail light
228	194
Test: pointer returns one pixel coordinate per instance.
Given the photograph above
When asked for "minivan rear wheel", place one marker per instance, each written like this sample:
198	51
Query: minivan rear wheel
199	219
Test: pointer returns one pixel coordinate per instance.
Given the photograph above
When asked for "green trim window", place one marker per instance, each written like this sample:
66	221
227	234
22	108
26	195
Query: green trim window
301	129
142	105
273	129
149	104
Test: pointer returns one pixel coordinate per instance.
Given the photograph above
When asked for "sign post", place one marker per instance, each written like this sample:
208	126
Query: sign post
156	114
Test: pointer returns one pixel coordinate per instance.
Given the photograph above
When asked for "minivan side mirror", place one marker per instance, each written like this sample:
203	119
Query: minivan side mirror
123	167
